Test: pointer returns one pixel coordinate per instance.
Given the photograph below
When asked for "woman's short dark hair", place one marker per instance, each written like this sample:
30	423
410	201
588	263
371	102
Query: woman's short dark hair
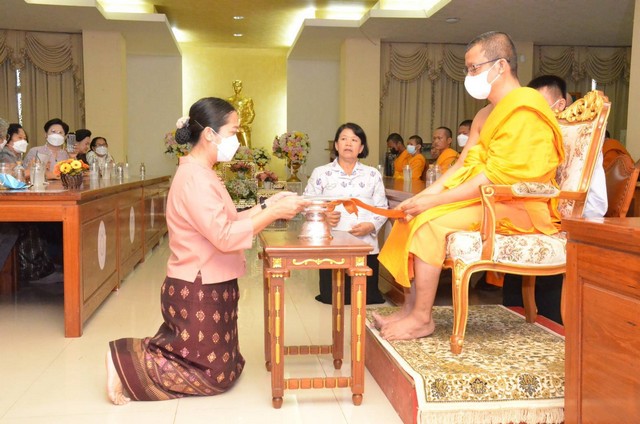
56	121
95	139
82	133
13	129
359	132
209	112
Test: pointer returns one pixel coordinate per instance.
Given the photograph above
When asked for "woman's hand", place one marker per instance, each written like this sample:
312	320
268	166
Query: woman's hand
287	206
362	229
333	218
276	197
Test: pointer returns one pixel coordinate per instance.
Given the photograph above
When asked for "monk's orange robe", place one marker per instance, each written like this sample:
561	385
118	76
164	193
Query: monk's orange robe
446	159
417	163
399	163
520	141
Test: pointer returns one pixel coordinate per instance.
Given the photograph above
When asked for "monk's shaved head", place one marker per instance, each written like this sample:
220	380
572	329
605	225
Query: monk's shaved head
497	45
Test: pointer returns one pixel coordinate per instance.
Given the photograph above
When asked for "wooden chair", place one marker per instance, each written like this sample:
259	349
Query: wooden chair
621	176
582	125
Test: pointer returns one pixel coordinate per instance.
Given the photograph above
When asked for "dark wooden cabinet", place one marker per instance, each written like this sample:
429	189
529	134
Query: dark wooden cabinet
602	321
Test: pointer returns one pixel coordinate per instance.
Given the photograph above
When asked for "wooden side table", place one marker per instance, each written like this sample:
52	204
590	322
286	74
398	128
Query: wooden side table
282	252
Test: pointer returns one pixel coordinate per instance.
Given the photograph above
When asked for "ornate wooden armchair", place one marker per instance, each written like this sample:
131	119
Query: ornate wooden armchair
582	125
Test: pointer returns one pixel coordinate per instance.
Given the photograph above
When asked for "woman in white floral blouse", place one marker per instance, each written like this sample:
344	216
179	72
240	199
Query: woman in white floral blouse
346	177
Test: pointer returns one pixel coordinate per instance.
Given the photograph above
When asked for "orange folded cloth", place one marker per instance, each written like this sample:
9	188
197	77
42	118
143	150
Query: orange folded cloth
351	206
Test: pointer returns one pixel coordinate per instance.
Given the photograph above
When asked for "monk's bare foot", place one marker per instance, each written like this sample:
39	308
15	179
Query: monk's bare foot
115	390
408	328
380	321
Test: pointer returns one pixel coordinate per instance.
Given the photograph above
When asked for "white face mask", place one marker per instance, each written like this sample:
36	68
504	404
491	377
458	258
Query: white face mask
102	150
20	146
477	86
411	149
462	139
227	148
55	139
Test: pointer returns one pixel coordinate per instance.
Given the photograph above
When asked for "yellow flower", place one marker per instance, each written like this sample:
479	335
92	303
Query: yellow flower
76	164
65	168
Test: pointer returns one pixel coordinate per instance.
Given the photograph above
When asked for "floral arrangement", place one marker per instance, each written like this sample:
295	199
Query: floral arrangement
173	148
293	146
240	166
268	176
242	189
70	167
260	156
244	153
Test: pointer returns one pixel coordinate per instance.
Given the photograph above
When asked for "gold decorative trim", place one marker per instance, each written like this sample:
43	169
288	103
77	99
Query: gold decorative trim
277	275
339	301
319	261
359	324
584	109
360	261
276	262
277	323
359	274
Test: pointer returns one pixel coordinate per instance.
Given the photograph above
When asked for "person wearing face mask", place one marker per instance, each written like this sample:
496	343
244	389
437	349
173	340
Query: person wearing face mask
417	162
81	148
52	152
195	352
16	145
464	129
395	144
517	139
99	152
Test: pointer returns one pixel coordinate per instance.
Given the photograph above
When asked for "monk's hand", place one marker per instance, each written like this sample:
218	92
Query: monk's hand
362	229
417	204
333	218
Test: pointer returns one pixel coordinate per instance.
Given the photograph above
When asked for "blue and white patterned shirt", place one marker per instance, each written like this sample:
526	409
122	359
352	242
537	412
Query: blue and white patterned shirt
364	183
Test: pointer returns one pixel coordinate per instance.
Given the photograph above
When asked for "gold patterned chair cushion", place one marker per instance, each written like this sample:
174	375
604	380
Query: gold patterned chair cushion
576	139
525	249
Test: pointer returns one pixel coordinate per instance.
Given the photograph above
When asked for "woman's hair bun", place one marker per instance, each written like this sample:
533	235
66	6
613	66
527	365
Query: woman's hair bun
183	135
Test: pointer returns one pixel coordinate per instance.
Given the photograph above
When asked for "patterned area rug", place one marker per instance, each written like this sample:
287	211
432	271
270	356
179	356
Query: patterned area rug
508	372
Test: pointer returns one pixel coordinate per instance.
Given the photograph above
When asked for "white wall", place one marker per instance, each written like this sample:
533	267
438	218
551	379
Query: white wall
154	89
313	106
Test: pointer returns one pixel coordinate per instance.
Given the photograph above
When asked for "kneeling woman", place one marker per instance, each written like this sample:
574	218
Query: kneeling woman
195	351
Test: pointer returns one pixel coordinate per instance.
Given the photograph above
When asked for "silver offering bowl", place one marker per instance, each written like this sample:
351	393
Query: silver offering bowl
316	228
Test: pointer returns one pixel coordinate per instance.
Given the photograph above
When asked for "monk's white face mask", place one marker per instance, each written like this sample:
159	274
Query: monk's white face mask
477	85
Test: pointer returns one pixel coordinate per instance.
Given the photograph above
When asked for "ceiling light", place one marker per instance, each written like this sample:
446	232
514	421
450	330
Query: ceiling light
238	18
452	20
238	34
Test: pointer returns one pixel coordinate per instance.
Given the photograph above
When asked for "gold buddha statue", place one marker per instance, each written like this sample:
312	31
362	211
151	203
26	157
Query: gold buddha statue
244	107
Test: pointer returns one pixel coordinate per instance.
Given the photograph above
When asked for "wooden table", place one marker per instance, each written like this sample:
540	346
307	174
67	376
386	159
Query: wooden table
283	252
107	227
602	383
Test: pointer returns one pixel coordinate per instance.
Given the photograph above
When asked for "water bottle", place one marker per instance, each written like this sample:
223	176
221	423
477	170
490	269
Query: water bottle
431	175
437	171
18	172
94	171
143	171
125	171
37	174
106	171
406	173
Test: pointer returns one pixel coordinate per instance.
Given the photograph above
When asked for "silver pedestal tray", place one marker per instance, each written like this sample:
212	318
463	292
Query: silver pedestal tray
316	229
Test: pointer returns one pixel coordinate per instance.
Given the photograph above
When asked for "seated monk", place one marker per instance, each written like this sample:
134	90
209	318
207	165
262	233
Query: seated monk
417	162
441	149
514	138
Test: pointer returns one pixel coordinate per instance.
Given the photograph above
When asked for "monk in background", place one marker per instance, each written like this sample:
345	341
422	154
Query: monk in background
514	138
441	149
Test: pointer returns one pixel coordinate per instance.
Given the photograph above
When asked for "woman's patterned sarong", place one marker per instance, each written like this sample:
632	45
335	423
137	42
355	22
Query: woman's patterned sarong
194	353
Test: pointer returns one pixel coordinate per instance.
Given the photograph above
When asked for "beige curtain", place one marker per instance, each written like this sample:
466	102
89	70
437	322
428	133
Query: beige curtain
51	76
608	66
423	89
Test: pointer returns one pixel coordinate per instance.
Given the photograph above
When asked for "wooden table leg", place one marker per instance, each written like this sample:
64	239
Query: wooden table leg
358	316
276	307
337	326
73	297
267	319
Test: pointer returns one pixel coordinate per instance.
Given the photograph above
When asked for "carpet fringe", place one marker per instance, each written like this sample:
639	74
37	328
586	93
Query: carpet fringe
501	416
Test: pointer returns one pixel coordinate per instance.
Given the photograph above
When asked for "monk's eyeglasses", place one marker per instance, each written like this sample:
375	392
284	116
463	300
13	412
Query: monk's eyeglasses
474	68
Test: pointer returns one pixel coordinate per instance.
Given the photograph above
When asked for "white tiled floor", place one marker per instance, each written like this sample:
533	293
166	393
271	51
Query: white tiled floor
47	378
